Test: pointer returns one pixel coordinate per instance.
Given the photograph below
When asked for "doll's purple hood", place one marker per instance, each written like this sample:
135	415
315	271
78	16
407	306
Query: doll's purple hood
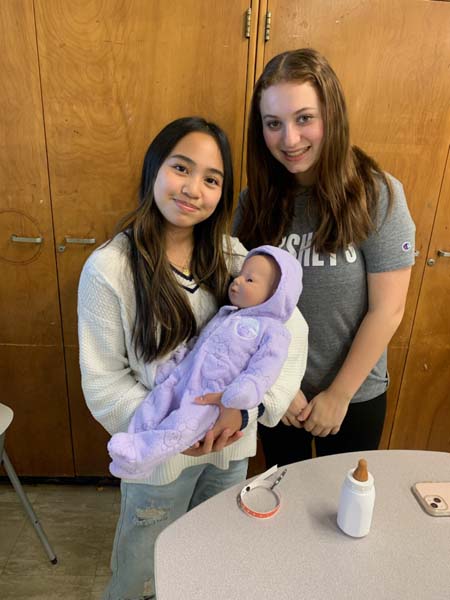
282	303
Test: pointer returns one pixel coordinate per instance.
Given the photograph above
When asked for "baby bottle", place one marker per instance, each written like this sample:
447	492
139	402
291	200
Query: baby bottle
356	501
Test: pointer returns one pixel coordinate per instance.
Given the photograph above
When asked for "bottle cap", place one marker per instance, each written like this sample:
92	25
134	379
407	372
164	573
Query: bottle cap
361	473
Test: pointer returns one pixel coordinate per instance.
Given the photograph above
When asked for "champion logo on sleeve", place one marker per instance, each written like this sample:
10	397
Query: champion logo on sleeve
406	246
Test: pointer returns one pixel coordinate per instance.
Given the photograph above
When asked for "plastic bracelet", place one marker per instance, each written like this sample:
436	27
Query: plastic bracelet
262	482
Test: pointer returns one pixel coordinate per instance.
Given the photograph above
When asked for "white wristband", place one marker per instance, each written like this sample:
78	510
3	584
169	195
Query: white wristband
271	499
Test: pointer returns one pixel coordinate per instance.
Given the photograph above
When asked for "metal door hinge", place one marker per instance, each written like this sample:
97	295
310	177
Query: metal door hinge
248	22
268	26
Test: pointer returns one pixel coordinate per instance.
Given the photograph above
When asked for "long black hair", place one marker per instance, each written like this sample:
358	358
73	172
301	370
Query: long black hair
164	317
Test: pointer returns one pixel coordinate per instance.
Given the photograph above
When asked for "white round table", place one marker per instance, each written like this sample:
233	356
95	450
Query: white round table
217	552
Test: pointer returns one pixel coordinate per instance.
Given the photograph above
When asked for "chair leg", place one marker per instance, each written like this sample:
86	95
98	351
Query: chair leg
28	508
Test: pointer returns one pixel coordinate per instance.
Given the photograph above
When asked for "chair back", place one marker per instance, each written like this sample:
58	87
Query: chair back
6	417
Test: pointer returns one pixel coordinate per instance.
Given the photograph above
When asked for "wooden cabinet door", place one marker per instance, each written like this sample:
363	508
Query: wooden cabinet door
423	413
113	73
392	60
32	372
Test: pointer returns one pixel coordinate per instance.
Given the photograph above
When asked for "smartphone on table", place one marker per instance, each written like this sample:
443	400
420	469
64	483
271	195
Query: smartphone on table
434	497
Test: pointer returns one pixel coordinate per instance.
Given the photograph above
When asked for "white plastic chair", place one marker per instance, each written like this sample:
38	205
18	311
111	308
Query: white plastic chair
6	417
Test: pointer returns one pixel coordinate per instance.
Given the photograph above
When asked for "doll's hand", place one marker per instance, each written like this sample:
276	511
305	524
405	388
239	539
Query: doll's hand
294	413
225	431
325	413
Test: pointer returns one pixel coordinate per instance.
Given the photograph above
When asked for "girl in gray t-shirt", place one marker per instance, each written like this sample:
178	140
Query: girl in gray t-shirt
330	205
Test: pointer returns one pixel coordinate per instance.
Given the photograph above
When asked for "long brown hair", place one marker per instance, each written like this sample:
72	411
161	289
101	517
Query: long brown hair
164	317
347	181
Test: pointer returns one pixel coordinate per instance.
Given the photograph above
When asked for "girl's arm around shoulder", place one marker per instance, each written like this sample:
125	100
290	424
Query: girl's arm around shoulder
280	395
105	299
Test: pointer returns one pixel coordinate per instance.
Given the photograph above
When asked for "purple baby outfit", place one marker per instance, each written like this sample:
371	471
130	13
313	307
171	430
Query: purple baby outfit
240	353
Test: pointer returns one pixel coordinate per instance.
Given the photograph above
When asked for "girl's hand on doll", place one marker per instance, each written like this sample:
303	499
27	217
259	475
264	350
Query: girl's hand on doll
212	444
325	413
225	431
293	415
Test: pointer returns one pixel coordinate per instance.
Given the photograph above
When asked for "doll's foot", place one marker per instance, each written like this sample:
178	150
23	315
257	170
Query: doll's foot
121	448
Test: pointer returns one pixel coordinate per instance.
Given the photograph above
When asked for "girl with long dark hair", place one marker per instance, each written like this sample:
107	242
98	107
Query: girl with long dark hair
151	288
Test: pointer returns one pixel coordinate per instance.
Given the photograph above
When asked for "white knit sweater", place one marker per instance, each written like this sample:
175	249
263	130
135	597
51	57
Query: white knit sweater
115	381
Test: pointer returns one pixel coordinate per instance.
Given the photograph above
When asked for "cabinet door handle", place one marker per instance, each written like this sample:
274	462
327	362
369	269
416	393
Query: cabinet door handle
70	240
18	239
443	254
80	241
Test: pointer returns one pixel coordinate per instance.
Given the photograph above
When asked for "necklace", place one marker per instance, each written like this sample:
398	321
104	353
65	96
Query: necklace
179	253
184	268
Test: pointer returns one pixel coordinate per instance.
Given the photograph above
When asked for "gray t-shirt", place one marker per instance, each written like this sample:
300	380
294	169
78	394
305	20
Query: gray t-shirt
334	298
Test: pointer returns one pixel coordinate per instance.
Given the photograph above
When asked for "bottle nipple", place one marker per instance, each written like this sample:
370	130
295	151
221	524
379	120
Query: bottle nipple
361	473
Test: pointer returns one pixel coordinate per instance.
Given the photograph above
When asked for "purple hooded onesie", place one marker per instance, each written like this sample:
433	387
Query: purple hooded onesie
240	352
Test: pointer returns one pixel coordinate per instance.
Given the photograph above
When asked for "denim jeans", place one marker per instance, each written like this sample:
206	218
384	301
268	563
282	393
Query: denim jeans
145	511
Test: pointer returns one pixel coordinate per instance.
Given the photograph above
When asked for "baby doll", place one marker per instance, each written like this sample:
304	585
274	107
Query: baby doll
240	352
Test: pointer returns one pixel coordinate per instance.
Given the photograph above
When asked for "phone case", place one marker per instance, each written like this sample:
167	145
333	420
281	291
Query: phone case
434	497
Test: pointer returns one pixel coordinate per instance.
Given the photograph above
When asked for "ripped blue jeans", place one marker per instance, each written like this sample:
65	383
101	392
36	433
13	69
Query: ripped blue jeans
145	511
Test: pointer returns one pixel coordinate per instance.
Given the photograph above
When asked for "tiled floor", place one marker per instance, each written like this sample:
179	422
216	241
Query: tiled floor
79	521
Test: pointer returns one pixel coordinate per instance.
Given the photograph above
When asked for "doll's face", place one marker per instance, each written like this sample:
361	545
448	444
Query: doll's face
257	281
